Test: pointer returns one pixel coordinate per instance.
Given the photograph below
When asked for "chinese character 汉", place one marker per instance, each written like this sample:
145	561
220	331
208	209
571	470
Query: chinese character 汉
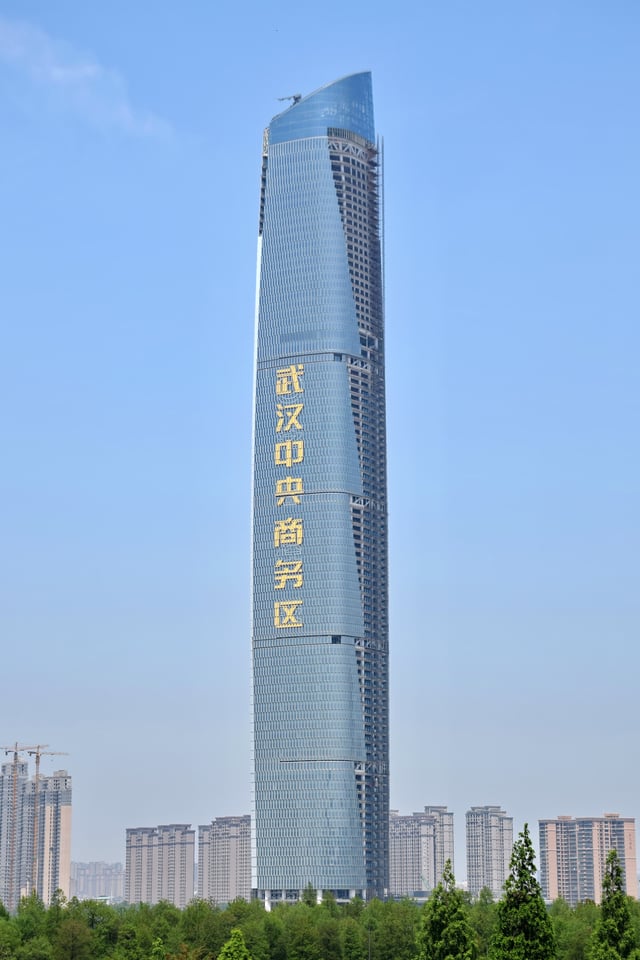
288	452
288	379
290	487
287	531
284	614
288	571
287	416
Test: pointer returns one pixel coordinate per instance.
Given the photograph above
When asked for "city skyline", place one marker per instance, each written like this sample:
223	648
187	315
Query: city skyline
129	195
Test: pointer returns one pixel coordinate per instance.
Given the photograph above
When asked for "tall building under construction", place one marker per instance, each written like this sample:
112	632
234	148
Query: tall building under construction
35	834
319	552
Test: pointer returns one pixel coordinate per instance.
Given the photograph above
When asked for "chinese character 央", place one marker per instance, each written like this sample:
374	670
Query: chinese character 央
290	487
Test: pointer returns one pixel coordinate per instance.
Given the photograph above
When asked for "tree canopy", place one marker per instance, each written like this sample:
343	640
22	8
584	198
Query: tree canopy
523	926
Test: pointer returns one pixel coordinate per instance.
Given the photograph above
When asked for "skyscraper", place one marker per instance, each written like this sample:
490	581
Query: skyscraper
319	623
573	854
489	846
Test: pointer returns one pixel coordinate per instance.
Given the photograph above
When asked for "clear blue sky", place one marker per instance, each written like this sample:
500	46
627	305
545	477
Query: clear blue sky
130	141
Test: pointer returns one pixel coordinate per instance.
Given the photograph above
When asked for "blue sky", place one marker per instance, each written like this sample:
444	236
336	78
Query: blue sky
130	140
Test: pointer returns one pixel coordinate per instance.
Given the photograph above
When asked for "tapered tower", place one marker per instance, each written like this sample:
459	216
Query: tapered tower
319	589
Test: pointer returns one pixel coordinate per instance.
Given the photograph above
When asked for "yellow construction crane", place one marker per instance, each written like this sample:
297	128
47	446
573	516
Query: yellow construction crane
16	750
37	752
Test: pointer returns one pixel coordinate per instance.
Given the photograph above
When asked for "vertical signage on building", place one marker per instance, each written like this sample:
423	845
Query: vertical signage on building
288	530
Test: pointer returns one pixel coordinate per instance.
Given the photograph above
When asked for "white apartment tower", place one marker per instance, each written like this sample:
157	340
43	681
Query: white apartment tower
160	864
489	845
573	853
224	859
419	847
35	834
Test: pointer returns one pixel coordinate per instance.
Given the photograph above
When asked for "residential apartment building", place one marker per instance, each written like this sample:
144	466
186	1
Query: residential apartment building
224	859
489	846
419	846
97	880
35	833
160	864
573	853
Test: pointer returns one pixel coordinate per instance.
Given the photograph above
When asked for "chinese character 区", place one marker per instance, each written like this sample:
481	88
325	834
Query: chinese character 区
284	614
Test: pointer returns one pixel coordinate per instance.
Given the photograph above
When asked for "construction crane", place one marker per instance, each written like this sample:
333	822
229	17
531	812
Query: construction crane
296	97
16	750
37	752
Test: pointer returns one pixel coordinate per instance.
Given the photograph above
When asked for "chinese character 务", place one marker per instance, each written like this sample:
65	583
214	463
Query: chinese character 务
288	570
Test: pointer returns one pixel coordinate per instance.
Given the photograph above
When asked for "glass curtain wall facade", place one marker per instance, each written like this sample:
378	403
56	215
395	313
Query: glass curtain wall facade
319	617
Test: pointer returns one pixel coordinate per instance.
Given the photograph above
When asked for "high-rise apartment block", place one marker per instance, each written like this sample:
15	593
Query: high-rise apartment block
489	846
419	847
319	615
573	853
160	864
35	833
224	859
97	880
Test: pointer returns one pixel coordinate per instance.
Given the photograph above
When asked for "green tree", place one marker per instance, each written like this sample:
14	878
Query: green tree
31	917
235	948
72	941
38	948
523	927
482	917
310	895
614	936
353	937
445	932
9	939
300	932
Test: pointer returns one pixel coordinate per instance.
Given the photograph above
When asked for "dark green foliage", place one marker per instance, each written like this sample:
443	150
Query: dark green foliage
482	917
72	940
301	938
445	931
450	926
309	895
573	928
329	937
523	927
9	939
614	935
353	939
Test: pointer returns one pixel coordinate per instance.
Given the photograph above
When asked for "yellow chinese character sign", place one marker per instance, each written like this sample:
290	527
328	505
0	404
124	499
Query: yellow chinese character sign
288	571
288	452
287	416
287	531
284	613
288	379
289	488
